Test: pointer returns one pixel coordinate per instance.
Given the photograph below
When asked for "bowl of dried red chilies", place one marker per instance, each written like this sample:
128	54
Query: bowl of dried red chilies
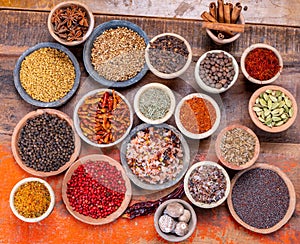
261	63
71	23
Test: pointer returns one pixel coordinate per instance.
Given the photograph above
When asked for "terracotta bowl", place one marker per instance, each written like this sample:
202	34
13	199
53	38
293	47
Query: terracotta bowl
177	73
186	184
264	127
171	236
292	202
43	216
88	14
243	68
219	153
16	136
86	219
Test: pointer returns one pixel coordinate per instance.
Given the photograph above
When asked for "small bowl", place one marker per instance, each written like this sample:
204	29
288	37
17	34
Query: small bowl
86	219
44	215
254	117
226	162
22	91
16	136
174	74
208	88
146	184
292	197
243	68
77	120
213	109
218	41
187	191
113	24
152	86
171	236
89	17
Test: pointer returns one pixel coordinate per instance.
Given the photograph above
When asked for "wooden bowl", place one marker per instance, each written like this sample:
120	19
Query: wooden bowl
219	153
86	219
16	136
88	13
264	127
290	210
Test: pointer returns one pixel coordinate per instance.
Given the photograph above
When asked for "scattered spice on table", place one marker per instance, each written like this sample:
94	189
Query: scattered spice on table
168	54
96	189
260	198
46	142
104	117
262	64
237	146
155	155
47	74
118	54
197	115
154	103
32	199
207	184
70	23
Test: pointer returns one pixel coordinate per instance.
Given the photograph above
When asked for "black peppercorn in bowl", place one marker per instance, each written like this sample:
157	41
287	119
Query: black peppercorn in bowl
114	54
70	23
47	75
44	142
168	55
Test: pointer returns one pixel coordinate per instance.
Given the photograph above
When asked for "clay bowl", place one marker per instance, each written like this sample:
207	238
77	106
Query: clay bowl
89	17
252	79
22	91
261	125
86	219
225	162
172	237
36	219
186	185
289	212
16	136
174	74
166	90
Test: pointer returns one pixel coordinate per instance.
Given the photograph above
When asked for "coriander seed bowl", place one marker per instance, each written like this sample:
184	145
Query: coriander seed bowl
206	184
272	108
216	71
114	54
32	190
70	32
154	103
261	63
168	55
41	83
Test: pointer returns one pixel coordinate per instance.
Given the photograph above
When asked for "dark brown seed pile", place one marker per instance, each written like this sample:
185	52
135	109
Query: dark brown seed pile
46	142
260	198
216	70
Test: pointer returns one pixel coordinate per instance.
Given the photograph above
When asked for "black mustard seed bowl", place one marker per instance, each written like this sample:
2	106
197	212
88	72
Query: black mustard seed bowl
113	24
22	91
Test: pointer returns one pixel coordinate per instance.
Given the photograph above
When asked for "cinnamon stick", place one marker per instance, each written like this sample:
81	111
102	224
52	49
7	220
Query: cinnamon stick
213	9
227	13
236	11
207	17
224	27
221	11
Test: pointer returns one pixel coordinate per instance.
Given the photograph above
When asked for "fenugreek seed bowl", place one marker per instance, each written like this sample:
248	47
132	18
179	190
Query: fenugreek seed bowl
34	219
111	69
45	87
83	23
270	112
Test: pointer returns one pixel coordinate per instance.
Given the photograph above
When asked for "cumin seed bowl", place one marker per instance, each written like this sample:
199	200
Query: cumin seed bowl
38	78
74	32
277	113
263	58
114	54
167	59
28	196
237	146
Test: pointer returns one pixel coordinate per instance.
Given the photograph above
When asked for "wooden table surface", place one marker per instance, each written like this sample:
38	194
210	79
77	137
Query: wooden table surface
23	24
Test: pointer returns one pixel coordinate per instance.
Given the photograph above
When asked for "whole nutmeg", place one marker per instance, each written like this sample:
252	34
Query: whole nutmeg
166	223
185	217
181	229
174	209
